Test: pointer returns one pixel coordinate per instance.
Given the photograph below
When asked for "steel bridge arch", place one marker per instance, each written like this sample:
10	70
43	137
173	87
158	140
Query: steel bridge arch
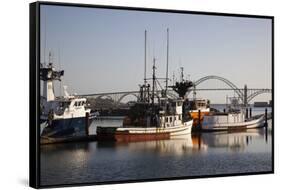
253	95
226	81
127	94
104	95
172	95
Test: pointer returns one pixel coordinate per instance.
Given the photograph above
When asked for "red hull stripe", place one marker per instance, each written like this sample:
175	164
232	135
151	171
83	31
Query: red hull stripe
127	137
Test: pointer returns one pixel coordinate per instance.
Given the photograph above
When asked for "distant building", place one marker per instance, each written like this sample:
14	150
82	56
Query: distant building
261	104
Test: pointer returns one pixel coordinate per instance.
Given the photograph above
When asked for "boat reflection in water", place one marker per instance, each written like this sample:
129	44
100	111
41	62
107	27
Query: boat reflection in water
190	155
234	141
191	143
176	146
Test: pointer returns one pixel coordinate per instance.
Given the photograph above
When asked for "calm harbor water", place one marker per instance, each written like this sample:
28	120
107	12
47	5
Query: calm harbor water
192	155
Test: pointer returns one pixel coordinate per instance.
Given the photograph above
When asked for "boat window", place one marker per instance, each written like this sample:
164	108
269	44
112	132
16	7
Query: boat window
166	119
171	119
65	104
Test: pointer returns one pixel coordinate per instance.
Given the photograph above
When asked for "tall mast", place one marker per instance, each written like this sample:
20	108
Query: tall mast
173	77
45	29
182	74
153	81
145	33
167	66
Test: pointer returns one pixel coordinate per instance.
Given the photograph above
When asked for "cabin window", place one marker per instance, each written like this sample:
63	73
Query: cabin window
77	104
171	119
65	104
167	119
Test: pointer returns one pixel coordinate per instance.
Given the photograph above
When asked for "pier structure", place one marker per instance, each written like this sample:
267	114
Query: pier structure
245	95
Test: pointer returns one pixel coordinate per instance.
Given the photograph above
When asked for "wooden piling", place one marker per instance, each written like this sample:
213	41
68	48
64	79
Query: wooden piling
250	112
87	124
199	120
265	115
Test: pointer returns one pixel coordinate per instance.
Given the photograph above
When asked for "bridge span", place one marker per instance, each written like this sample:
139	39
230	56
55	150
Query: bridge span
245	94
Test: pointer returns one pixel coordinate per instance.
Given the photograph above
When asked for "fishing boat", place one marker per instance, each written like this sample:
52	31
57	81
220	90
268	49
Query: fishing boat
235	118
62	116
153	117
198	105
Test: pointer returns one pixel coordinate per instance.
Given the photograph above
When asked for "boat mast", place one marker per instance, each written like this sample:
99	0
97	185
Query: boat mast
153	81
45	40
182	79
48	75
145	33
167	66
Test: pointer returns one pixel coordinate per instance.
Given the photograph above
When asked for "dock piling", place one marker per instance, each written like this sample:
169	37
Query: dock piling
87	124
250	112
199	120
265	115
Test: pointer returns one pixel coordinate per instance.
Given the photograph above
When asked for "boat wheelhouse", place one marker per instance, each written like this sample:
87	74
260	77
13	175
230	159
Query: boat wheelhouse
198	105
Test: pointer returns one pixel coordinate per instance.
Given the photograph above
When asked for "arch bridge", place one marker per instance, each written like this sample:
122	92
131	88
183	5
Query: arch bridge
245	94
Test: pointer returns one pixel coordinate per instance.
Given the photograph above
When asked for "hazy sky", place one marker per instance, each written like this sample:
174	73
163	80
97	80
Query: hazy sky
102	50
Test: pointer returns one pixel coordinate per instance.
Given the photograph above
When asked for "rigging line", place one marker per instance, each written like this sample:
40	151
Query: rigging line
159	84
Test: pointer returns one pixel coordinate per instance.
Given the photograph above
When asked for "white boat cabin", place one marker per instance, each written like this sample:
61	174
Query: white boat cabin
171	112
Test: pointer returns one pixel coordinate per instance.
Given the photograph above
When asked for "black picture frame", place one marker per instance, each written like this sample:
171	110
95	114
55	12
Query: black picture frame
34	91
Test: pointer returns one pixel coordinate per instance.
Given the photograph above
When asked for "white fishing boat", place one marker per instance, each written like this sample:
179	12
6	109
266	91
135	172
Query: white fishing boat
61	116
151	125
233	119
153	117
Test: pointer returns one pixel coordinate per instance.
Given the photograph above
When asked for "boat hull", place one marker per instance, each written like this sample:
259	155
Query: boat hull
66	127
128	134
250	124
